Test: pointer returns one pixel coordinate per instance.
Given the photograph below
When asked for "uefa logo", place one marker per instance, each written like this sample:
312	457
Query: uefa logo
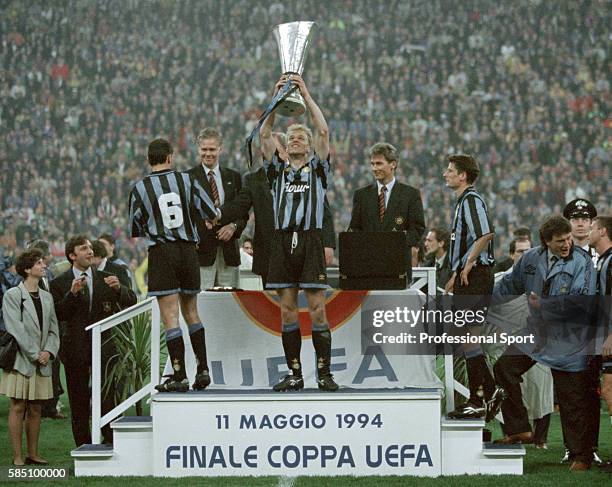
263	308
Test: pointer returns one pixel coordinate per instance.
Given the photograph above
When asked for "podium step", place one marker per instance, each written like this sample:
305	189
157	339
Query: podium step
461	445
494	450
464	423
130	454
133	423
463	451
93	452
507	459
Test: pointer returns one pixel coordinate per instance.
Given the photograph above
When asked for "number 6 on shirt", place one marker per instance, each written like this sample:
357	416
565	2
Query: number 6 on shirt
170	207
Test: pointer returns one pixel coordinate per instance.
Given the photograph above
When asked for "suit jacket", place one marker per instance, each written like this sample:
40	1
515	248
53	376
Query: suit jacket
120	272
404	213
256	193
207	247
74	315
21	321
443	272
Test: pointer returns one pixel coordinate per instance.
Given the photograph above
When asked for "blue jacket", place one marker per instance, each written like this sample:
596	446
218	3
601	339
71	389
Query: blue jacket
563	323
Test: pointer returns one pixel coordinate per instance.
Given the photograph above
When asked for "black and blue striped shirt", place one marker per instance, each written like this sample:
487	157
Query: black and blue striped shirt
162	207
298	194
470	222
604	273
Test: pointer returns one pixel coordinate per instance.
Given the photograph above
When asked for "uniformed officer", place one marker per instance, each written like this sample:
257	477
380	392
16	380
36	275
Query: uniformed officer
580	213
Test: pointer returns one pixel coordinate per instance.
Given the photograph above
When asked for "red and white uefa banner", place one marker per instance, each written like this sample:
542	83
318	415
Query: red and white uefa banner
245	351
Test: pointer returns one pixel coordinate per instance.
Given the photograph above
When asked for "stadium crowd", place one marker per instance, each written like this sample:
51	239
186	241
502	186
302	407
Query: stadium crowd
85	85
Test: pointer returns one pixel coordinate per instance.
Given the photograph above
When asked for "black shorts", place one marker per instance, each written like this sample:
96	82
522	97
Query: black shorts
173	269
297	259
476	296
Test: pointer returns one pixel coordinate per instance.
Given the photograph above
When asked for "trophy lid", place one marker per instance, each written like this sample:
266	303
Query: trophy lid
293	39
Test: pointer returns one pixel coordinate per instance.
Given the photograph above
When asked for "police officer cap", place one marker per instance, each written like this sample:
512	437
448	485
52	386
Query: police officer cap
579	207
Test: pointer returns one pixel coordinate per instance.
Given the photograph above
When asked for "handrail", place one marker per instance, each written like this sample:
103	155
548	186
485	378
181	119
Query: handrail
97	420
123	315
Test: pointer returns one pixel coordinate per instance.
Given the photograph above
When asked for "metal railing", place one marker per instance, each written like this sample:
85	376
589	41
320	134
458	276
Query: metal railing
97	420
422	276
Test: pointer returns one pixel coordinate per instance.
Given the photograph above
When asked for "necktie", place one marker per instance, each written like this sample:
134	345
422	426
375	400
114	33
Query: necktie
381	203
85	291
553	260
213	187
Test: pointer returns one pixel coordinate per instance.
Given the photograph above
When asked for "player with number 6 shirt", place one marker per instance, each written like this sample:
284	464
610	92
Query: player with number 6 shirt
161	208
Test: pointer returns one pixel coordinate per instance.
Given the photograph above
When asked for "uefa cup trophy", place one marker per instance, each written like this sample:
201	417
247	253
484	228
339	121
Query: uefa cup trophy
293	40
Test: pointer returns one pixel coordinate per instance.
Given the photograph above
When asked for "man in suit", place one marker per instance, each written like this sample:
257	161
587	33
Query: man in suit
388	205
436	246
82	296
218	249
111	246
101	263
521	234
255	193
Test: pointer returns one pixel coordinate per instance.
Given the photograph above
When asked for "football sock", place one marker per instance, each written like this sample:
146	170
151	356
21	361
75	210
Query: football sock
197	335
321	340
176	350
292	345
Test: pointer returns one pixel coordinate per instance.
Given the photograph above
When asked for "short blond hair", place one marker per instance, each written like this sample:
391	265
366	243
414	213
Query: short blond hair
300	127
209	133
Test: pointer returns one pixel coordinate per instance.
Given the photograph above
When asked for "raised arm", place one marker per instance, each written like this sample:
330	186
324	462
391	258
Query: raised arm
267	140
321	131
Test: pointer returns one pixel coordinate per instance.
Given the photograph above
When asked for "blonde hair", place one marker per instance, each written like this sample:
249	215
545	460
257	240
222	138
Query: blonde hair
300	127
209	133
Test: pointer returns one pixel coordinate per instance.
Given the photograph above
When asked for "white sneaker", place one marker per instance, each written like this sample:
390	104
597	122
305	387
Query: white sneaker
565	458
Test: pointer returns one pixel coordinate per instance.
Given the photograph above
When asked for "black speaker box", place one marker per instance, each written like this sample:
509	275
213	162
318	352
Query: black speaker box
373	260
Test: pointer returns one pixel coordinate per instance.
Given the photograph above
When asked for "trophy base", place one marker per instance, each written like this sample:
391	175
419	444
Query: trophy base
292	107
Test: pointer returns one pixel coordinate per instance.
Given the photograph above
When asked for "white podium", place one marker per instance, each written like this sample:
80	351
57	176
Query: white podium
259	432
385	419
256	433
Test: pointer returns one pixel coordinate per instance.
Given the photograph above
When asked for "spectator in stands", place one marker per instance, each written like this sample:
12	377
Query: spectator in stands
77	114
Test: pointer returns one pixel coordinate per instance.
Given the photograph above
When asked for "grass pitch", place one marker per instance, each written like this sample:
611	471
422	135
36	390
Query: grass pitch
541	467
